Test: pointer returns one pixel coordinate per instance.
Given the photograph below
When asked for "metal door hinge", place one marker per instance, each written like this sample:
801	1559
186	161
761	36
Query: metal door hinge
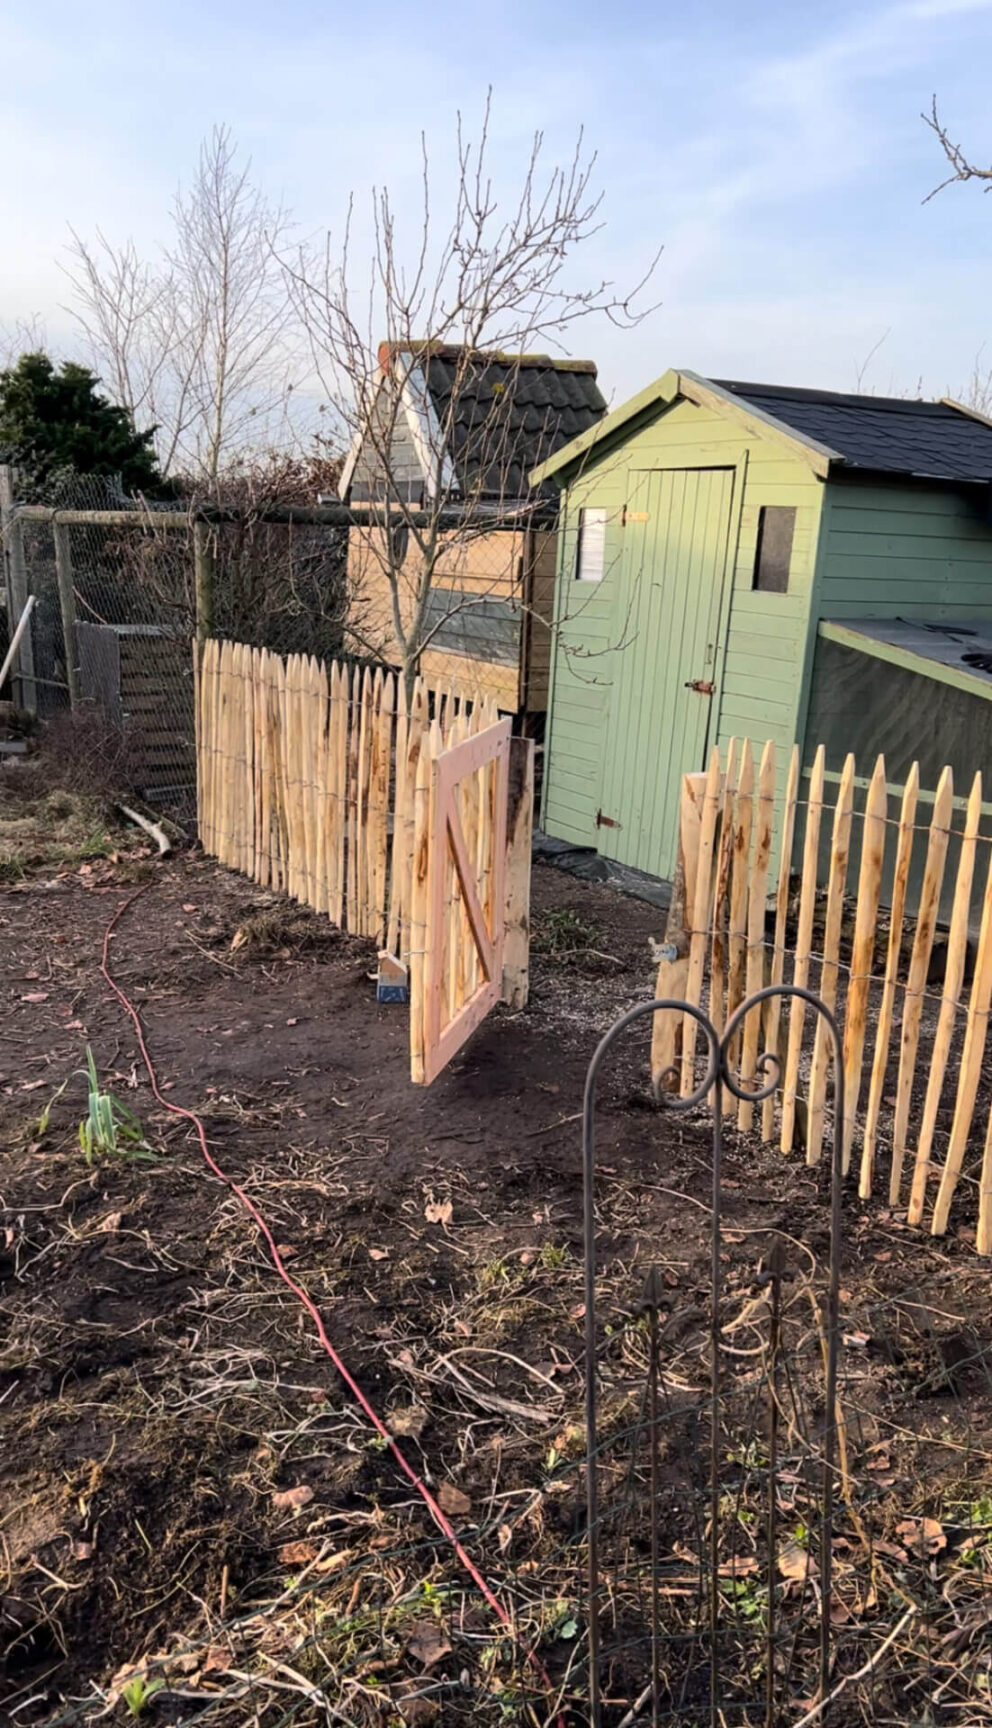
702	686
606	821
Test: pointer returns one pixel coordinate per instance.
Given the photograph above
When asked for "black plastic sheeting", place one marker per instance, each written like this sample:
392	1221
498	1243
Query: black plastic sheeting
586	863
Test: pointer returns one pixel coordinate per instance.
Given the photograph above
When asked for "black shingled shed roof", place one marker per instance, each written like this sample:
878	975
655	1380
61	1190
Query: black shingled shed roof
547	403
933	440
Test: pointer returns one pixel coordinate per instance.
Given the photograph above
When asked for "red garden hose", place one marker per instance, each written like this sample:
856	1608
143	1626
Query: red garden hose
442	1522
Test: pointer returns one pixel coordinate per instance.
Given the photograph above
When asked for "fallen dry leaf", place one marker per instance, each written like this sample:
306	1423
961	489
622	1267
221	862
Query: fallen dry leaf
35	996
298	1553
291	1499
922	1535
238	940
378	1253
504	1536
109	1225
427	1643
439	1212
417	1711
334	1562
741	1566
451	1499
795	1562
409	1421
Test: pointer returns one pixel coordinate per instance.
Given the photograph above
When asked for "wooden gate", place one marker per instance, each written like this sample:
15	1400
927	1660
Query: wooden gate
458	893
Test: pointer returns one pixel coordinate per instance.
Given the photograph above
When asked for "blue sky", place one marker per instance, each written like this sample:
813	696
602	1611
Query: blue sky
774	150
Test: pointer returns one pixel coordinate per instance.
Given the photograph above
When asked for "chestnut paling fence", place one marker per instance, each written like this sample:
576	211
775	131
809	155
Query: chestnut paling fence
889	916
407	822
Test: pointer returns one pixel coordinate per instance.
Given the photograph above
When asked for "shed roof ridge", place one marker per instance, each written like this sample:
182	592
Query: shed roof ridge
432	349
843	398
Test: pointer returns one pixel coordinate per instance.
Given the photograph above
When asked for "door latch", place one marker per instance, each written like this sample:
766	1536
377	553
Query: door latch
606	821
702	686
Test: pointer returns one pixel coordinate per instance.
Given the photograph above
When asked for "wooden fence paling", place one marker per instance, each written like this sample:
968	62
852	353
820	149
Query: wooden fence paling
840	846
422	829
397	865
756	911
983	1240
700	920
773	1015
383	782
267	875
671	983
353	700
204	740
737	928
519	842
919	965
277	718
721	892
976	1032
883	1030
222	833
804	937
417	728
957	952
863	950
246	801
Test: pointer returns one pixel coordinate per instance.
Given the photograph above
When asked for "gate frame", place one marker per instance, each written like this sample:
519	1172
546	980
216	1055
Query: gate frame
448	768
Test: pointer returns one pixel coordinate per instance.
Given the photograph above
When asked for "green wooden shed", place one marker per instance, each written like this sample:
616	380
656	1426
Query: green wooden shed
748	560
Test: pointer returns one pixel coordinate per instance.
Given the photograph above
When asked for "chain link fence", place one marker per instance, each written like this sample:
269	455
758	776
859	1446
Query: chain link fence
114	585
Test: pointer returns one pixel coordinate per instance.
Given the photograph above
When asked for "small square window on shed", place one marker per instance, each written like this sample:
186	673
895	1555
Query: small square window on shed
773	555
590	558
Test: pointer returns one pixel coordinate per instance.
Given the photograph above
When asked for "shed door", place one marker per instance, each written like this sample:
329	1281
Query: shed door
668	618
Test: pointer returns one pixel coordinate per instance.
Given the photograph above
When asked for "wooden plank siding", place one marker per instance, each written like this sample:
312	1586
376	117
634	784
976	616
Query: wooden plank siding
913	551
507	580
760	655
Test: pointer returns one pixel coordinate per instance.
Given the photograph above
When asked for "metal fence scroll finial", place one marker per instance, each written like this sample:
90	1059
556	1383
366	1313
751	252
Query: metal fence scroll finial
718	1074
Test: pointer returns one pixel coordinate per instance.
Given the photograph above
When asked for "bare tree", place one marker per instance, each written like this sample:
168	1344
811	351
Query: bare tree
493	278
202	340
24	336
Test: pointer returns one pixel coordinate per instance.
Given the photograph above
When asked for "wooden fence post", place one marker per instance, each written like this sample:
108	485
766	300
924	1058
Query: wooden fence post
17	591
721	893
957	952
519	832
840	846
804	938
883	1030
67	607
700	920
673	964
919	966
203	580
756	909
863	950
976	1033
774	1006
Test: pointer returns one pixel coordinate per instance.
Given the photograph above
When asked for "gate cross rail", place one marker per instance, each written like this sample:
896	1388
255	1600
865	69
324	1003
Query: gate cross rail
718	1075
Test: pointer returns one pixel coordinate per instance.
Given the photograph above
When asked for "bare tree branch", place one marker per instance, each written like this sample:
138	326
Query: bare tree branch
961	167
492	281
202	342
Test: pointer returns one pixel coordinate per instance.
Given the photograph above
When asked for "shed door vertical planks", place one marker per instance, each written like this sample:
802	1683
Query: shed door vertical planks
666	627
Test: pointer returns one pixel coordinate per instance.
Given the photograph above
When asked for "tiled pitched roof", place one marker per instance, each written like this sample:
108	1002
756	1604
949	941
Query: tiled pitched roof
543	404
879	433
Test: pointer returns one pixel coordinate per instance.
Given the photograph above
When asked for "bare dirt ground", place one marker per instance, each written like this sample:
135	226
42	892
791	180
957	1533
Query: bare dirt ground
187	1488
